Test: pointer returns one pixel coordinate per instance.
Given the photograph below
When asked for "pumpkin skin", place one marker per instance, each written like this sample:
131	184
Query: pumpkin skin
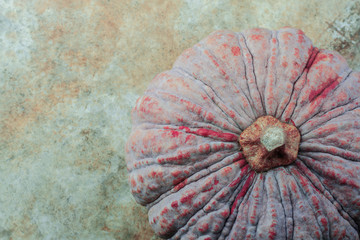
185	162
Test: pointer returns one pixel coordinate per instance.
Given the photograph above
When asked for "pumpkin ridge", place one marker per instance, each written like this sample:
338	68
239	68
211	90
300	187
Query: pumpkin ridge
253	71
200	133
205	203
320	171
331	117
248	94
325	213
276	77
252	180
314	96
245	94
329	120
282	77
306	109
295	173
324	150
347	71
312	57
271	70
262	94
248	181
281	200
226	153
297	97
319	115
200	83
257	93
226	110
294	196
211	98
232	195
263	199
206	48
276	186
182	128
318	126
288	174
327	193
165	97
224	162
252	204
302	183
305	69
173	154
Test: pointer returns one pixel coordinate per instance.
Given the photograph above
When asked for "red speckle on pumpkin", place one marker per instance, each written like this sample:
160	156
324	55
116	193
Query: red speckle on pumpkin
203	227
225	213
313	54
155	174
174	204
225	45
176	173
243	191
235	51
204	148
272	234
222	71
301	38
257	37
180	185
323	90
174	133
178	181
286	36
229	137
226	171
297	53
323	57
188	138
225	136
324	222
210	117
235	182
164	211
188	197
133	182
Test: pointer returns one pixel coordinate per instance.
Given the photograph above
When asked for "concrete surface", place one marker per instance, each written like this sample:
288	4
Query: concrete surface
70	72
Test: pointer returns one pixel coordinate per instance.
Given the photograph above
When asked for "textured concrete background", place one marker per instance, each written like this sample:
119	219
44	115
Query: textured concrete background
70	72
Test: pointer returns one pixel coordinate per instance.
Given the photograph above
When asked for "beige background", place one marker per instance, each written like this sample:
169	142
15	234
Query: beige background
70	72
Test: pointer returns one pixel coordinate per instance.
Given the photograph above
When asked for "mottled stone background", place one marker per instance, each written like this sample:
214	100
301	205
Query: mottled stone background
70	72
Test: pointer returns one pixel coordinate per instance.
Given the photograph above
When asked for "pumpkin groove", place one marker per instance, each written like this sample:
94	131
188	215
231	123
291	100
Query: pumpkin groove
189	157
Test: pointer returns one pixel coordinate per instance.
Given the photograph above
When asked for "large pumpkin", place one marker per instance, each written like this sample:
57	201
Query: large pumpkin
251	135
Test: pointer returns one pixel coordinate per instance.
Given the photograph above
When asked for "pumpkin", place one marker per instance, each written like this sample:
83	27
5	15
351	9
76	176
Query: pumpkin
252	135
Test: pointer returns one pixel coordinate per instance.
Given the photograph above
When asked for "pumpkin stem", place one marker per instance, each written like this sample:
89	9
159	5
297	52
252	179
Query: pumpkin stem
269	143
273	138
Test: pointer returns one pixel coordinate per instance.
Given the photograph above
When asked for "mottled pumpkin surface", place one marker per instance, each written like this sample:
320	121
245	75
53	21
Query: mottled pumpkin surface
185	162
